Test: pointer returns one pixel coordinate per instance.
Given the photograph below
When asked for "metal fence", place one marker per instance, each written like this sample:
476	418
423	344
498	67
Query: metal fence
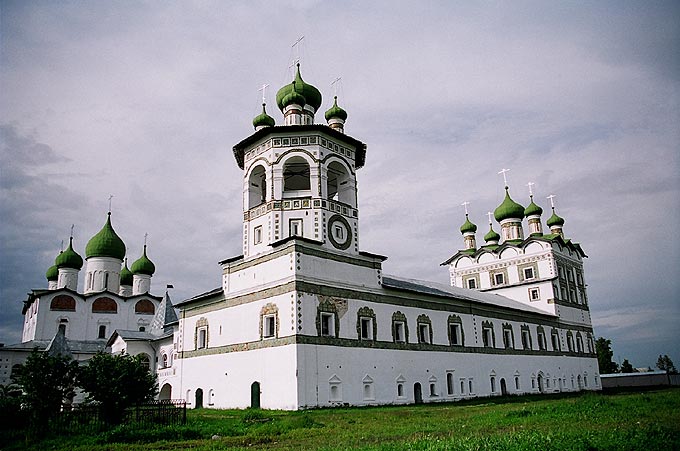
83	419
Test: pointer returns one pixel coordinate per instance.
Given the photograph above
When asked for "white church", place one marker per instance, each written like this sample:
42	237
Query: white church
305	319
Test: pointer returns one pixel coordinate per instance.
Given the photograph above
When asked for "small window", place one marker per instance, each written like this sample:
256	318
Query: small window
106	281
336	394
454	330
449	384
296	227
424	333
142	328
269	326
488	335
327	324
516	383
507	338
462	386
472	283
493	384
433	389
366	328
400	390
555	342
368	392
165	360
102	331
534	294
62	328
258	235
528	273
470	387
498	279
202	337
399	335
526	339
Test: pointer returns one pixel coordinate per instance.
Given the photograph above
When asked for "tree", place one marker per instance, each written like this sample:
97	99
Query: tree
117	382
47	382
626	367
605	355
664	363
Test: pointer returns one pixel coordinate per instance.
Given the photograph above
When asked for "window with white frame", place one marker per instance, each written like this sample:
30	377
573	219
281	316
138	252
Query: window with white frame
400	390
471	283
462	386
449	384
399	335
269	326
257	235
433	389
339	233
366	326
540	334
528	273
327	324
201	334
516	382
526	337
498	278
534	294
508	339
296	227
470	386
456	335
488	335
493	384
424	329
102	331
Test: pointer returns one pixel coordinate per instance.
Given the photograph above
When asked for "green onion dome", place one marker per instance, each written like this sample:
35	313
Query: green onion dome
143	265
311	95
508	209
106	243
125	275
555	220
69	258
491	235
263	119
335	111
52	273
292	97
467	226
532	209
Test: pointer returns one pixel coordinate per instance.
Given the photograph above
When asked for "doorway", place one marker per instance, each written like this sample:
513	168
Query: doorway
255	395
418	393
199	398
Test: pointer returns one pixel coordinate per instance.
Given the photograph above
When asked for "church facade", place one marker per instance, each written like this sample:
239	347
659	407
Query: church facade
304	318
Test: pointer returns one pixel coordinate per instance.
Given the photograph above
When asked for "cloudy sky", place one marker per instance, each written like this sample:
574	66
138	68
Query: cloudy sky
144	101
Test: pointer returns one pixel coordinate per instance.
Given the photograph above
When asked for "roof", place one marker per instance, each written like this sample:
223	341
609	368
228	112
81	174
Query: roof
446	291
204	295
76	346
135	335
518	243
262	133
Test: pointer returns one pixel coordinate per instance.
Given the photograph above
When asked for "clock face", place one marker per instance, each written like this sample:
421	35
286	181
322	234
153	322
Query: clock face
339	232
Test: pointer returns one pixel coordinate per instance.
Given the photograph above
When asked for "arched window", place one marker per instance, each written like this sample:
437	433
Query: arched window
165	361
104	305
449	383
145	307
296	175
338	185
144	361
64	303
257	187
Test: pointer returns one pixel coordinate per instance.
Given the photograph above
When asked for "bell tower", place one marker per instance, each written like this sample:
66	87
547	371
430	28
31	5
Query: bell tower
299	179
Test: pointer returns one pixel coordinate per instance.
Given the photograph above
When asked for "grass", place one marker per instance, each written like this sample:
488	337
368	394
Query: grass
587	422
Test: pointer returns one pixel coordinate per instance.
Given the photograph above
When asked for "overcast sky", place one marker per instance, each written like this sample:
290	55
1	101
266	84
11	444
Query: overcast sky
144	101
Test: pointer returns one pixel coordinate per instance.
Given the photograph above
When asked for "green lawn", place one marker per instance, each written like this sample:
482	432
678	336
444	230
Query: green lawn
626	421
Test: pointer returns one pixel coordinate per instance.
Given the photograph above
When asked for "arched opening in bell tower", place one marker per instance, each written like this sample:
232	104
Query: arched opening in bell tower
296	176
338	185
257	187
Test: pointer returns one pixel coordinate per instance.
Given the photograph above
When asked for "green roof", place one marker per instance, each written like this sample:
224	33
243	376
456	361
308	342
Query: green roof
532	209
335	111
106	243
52	273
467	226
263	119
311	95
143	265
69	258
491	235
292	97
125	275
508	209
555	220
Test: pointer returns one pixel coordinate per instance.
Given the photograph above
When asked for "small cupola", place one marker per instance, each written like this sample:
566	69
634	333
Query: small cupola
510	214
492	237
142	270
468	230
68	265
555	223
125	280
263	120
336	116
533	214
52	276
